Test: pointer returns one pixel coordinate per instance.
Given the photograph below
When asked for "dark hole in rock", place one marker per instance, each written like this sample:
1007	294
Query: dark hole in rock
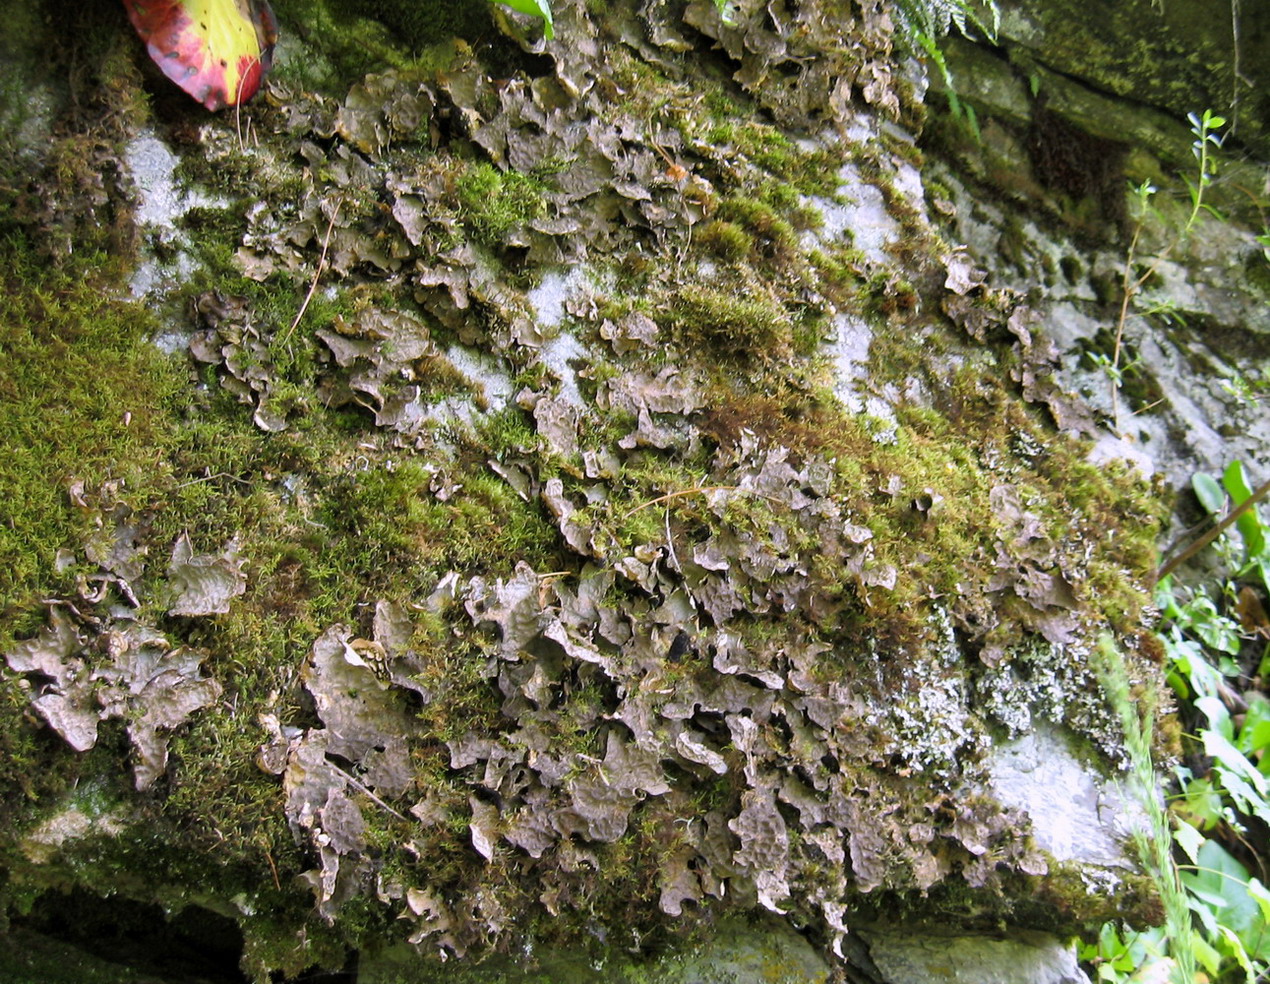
1067	159
1072	268
66	934
711	722
753	681
194	946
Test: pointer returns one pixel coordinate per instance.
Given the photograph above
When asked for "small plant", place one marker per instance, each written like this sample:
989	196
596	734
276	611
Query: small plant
1207	142
1204	851
926	21
1152	839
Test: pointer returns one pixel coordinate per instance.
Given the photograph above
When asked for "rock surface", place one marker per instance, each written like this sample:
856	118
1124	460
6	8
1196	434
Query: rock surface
614	484
919	953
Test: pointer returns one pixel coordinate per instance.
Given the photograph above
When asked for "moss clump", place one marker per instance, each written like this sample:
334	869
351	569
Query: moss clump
772	236
724	239
885	294
494	203
389	528
422	24
84	398
735	327
811	172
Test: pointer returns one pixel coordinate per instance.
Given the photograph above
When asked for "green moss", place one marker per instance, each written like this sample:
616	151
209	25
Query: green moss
884	294
810	172
388	528
29	958
726	240
750	327
84	398
773	236
905	150
422	24
334	515
31	763
494	202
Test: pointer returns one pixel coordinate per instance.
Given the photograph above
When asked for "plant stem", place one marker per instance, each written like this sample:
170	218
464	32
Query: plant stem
317	274
1130	286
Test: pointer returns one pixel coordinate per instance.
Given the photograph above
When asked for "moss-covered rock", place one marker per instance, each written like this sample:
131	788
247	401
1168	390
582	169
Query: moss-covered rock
403	609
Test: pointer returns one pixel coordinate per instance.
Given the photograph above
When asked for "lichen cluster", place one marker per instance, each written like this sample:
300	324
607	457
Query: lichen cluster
482	615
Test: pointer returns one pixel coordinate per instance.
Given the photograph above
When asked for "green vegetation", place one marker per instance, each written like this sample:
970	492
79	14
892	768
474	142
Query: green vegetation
1152	838
926	21
1207	854
720	493
85	401
29	958
735	327
419	25
496	202
1135	275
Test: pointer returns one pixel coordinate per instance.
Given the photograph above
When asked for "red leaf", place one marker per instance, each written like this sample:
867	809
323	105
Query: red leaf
216	50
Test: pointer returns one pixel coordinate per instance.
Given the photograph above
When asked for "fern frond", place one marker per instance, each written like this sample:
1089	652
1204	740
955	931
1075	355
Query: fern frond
924	22
935	18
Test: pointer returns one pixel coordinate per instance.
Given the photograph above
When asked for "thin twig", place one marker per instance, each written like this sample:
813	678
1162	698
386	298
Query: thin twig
1130	287
1127	292
1149	406
366	791
273	868
208	478
238	109
670	544
700	490
1233	516
317	274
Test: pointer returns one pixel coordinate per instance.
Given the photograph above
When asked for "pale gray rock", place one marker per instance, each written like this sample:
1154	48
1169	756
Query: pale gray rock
1077	814
912	955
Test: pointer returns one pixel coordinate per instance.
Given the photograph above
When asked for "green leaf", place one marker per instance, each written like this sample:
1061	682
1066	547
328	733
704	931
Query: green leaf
1187	656
1205	954
1220	876
534	8
1222	884
1189	839
1218	718
1236	949
1261	895
1263	565
1249	524
1209	493
1205	905
1246	786
1201	617
1164	597
1202	803
1254	734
